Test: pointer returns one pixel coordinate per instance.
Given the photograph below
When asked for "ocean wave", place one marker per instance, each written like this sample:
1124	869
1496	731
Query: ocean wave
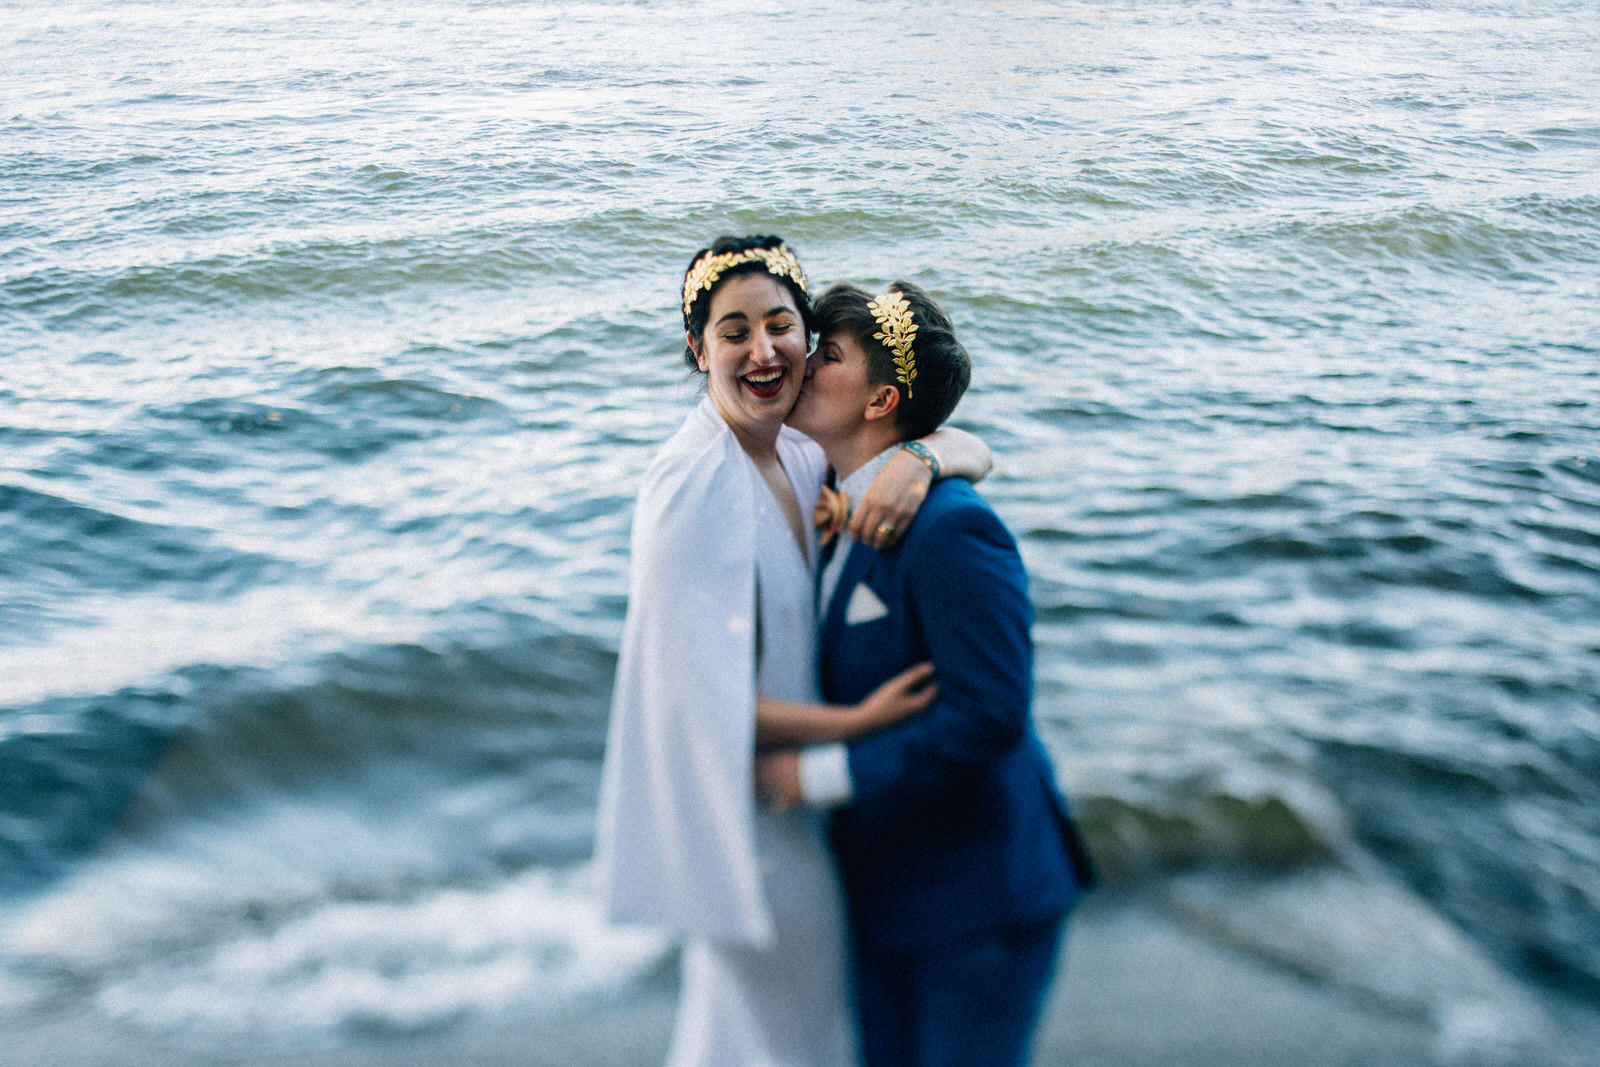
391	399
70	771
529	712
385	840
1485	242
286	272
1529	534
348	413
51	539
1580	213
189	945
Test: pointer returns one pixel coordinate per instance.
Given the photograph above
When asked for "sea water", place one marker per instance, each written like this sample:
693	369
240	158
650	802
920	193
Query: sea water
334	338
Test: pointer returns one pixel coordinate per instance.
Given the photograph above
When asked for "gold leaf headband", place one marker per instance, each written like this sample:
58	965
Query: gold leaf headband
896	332
705	272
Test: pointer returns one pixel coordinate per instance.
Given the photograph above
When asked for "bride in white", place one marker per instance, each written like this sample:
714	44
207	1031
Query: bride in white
720	615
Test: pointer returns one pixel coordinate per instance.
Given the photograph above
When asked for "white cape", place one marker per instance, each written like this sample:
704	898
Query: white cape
675	837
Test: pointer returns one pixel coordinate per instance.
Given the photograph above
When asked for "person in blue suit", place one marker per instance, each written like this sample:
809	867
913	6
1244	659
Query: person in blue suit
959	859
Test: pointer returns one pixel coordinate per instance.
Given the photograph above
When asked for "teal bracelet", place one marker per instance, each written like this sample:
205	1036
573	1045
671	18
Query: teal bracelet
924	453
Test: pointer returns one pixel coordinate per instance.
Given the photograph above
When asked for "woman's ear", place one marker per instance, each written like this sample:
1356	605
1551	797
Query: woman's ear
885	398
699	356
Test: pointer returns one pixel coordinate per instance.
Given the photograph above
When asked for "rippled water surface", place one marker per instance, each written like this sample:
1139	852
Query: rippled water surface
335	336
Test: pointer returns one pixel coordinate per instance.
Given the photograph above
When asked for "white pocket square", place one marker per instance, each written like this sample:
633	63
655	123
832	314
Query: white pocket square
864	606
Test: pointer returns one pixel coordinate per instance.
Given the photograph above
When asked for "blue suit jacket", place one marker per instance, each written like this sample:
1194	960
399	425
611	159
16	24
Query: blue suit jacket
956	826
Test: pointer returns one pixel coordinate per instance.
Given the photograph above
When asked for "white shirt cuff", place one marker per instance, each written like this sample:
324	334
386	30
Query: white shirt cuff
825	775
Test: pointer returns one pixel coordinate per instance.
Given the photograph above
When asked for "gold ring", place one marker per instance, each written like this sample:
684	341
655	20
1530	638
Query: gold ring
884	529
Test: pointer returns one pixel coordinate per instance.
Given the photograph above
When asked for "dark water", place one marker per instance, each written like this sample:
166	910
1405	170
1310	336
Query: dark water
334	337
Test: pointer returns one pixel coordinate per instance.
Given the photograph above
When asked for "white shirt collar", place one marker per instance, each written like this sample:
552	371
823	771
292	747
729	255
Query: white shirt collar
856	485
862	478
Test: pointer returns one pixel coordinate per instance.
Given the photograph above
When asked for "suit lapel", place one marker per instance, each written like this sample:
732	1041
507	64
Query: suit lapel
856	565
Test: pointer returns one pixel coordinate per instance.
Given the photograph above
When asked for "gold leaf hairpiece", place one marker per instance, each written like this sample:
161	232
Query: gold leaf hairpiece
706	270
896	333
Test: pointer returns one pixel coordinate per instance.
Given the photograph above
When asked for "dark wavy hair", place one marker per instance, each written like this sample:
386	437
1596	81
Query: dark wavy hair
694	321
943	367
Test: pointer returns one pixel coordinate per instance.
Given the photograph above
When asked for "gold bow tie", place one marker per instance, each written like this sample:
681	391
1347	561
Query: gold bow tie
831	513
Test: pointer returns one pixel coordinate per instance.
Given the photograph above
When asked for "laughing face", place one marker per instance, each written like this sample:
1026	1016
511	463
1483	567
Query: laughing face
754	354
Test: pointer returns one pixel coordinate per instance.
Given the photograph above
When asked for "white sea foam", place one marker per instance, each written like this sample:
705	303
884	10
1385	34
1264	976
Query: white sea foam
304	918
411	961
536	941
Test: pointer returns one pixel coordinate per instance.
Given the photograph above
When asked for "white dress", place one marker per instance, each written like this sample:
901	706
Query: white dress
681	841
783	1004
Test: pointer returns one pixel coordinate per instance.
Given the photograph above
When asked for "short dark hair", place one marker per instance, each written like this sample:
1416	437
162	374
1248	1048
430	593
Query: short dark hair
694	320
943	368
